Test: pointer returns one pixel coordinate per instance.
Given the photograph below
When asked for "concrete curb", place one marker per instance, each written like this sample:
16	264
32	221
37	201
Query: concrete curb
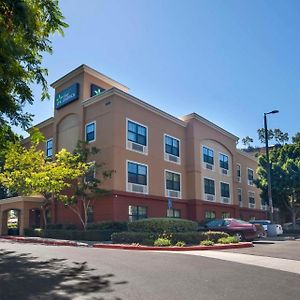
44	241
190	248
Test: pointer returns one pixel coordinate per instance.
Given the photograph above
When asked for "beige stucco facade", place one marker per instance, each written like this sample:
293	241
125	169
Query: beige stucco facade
111	111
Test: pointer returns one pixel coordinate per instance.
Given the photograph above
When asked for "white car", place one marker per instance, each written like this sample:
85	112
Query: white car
265	224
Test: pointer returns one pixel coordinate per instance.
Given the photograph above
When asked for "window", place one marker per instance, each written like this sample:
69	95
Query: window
172	181
238	171
250	176
223	161
173	213
208	155
210	215
90	174
209	186
136	133
239	193
225	190
49	148
251	198
137	212
137	173
90	214
225	215
90	132
96	90
172	145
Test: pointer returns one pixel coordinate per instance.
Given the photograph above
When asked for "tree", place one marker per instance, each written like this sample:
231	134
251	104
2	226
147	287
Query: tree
25	28
276	134
280	137
27	171
87	187
6	135
247	141
285	163
296	138
261	135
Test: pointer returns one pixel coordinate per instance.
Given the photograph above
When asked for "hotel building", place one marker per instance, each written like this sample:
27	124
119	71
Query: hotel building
185	167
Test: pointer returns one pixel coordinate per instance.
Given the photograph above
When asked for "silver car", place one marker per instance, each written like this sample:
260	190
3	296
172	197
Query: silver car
265	224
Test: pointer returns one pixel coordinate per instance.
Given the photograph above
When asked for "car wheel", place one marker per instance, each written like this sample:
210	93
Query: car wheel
239	236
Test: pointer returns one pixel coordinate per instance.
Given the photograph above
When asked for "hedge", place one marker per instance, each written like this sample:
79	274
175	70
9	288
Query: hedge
147	238
160	225
108	225
90	235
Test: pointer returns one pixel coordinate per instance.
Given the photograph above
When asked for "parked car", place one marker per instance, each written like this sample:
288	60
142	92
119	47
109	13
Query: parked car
289	226
265	224
243	231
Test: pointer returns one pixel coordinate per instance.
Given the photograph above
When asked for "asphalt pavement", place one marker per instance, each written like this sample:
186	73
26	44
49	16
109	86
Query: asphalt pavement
29	271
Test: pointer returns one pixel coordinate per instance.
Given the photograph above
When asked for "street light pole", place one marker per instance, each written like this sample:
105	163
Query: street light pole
268	163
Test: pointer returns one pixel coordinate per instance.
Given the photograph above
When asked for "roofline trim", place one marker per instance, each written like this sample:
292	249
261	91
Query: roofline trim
90	71
210	124
116	91
246	154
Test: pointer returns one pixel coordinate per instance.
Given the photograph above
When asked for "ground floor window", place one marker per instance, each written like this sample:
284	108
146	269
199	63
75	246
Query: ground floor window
225	215
137	212
173	213
210	215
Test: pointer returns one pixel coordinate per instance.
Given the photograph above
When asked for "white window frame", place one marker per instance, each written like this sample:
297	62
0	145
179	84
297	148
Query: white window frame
95	131
228	170
147	135
46	149
205	163
221	197
248	181
250	205
146	186
205	195
166	154
166	190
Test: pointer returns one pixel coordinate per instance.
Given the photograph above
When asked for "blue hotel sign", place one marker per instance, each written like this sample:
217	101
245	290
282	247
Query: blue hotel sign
66	96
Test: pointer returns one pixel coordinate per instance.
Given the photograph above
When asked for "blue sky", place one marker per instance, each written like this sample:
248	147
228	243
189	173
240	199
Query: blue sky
229	61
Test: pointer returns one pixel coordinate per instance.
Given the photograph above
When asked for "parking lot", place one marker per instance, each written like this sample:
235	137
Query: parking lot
278	249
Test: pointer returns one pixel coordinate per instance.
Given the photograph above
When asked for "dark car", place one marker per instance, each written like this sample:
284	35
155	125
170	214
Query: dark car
242	230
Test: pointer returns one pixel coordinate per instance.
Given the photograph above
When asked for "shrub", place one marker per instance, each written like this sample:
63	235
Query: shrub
133	237
108	225
228	240
160	225
207	243
36	232
91	235
54	226
180	244
191	238
215	235
163	242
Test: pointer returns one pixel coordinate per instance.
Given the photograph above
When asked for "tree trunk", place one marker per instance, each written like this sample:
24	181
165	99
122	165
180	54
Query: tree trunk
44	217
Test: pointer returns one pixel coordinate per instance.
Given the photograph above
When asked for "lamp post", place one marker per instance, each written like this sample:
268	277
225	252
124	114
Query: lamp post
268	163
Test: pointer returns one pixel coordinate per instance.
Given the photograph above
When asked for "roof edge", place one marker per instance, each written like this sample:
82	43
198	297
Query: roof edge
91	71
134	99
210	124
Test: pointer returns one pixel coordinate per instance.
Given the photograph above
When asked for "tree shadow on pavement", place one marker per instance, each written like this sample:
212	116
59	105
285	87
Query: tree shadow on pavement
24	277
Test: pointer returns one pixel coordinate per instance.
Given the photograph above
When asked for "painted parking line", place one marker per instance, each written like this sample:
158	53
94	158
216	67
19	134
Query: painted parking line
254	260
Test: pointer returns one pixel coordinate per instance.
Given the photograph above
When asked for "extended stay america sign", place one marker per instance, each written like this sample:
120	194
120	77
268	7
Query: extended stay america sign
67	95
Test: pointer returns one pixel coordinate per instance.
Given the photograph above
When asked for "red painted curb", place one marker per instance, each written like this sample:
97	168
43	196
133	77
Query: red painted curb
43	241
191	248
